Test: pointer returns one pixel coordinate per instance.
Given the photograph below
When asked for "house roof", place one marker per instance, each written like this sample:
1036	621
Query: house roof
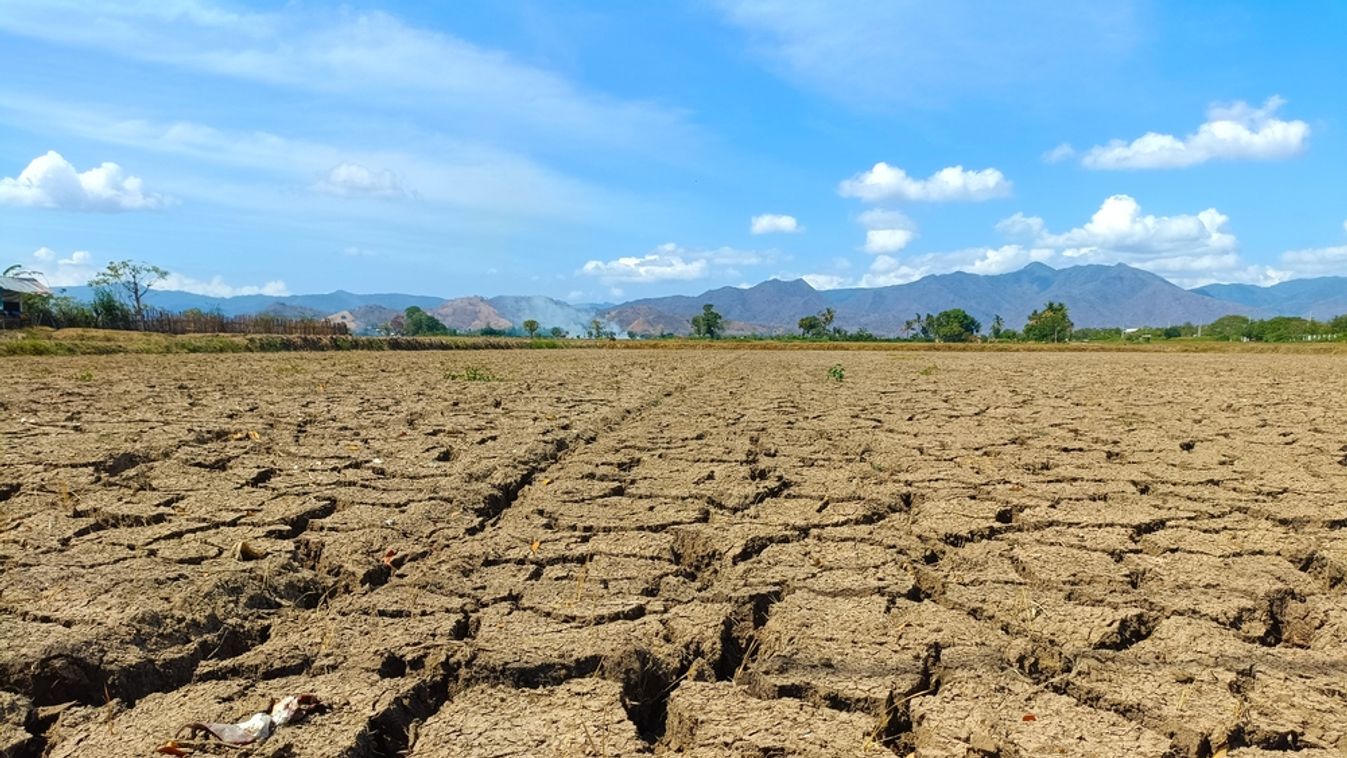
23	285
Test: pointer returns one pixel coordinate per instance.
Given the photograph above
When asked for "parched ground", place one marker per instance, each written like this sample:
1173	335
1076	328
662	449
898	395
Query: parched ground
678	552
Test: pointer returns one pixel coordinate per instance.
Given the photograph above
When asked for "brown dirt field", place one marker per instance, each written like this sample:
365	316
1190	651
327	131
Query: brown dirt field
678	552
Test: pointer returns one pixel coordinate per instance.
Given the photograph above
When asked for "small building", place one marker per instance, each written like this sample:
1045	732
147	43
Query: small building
12	290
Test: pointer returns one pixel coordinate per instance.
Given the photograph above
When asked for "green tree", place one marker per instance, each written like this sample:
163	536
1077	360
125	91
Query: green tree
531	326
129	282
1052	324
1228	327
955	325
1280	329
998	326
417	323
708	323
557	333
816	327
109	312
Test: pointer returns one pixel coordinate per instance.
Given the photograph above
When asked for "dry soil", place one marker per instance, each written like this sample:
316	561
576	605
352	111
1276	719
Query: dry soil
678	552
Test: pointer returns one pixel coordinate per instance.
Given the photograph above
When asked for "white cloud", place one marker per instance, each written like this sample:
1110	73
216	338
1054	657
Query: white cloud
825	281
1344	226
886	231
73	270
348	179
672	262
1232	132
887	240
50	181
217	287
1319	261
370	57
880	218
885	182
1183	248
351	251
1060	153
1188	249
770	223
654	267
1120	228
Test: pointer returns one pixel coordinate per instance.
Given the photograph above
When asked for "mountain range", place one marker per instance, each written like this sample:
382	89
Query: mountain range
1096	295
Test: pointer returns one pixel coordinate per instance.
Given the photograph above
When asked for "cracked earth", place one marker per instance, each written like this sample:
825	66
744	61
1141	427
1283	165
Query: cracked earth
708	553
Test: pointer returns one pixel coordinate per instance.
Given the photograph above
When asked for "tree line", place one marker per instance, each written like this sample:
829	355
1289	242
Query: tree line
1051	323
119	302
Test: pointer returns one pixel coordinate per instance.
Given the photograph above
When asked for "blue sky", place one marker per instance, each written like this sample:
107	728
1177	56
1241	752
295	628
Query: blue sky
597	151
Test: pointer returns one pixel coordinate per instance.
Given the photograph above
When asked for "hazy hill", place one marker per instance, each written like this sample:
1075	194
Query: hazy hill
331	302
469	313
545	310
1322	298
365	318
772	306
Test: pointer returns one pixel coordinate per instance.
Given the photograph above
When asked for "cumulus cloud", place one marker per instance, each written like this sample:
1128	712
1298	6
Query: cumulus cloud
954	183
1237	131
217	287
354	180
771	223
1119	227
673	262
1183	247
887	240
1319	261
654	267
73	270
887	231
50	181
1188	249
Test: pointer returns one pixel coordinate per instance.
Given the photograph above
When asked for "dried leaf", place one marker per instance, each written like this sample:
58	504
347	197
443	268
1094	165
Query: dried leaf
244	551
389	555
534	547
1029	717
172	748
